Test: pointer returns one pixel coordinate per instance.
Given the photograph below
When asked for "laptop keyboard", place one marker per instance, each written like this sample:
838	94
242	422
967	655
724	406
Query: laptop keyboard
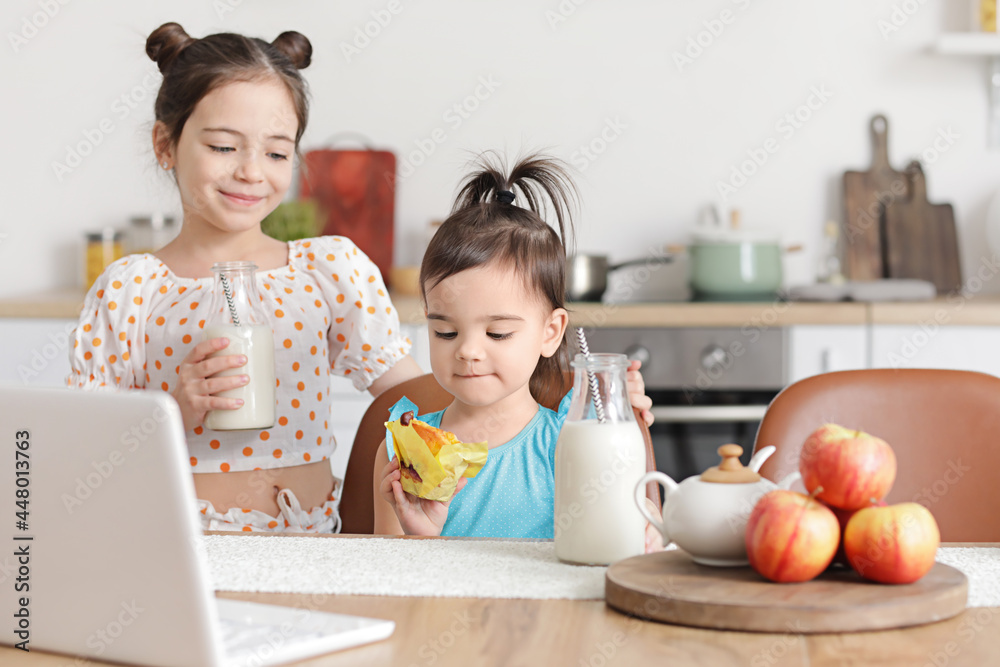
246	640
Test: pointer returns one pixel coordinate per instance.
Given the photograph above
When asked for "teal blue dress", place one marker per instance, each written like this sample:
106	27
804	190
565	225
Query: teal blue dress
514	493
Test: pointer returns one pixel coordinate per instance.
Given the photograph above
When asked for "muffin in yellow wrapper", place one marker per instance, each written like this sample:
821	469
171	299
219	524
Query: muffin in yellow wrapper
431	461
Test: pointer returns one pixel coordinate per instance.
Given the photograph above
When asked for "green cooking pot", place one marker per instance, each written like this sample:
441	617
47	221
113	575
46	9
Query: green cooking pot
735	266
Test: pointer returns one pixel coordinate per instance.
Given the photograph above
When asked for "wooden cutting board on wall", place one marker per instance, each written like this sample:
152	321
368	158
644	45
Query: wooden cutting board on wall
921	237
866	194
355	190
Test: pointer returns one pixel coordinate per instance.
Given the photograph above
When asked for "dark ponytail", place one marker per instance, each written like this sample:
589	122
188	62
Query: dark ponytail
497	218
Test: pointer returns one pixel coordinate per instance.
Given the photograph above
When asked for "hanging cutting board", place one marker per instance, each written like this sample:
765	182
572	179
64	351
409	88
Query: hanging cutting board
355	190
668	586
865	193
921	237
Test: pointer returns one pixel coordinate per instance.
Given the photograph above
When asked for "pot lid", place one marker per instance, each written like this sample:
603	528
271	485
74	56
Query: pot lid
730	471
722	236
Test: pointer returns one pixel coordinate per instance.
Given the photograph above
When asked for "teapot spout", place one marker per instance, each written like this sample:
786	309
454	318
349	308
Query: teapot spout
760	456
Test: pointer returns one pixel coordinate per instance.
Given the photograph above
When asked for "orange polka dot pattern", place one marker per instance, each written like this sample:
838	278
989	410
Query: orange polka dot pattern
318	331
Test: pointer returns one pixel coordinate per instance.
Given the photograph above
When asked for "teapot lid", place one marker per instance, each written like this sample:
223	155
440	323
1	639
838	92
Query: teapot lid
730	471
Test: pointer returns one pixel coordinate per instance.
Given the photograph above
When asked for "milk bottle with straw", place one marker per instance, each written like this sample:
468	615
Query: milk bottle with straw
237	315
600	457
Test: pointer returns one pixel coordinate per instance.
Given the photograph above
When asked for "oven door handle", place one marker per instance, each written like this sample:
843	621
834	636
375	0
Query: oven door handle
671	414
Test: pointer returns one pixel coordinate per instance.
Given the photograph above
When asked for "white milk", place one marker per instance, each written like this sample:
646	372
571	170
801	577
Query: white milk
597	469
257	411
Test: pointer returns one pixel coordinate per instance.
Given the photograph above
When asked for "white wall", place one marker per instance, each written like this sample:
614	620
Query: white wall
560	84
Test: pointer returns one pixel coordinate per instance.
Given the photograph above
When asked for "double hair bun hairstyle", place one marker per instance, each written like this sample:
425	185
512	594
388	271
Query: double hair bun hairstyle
166	44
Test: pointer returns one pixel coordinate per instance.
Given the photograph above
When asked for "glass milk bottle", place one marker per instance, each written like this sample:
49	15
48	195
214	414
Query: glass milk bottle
598	464
237	314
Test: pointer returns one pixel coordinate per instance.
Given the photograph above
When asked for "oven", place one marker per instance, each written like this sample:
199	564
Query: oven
710	387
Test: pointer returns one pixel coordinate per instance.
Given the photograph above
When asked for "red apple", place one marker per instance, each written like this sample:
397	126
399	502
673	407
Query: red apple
843	516
896	544
791	537
846	468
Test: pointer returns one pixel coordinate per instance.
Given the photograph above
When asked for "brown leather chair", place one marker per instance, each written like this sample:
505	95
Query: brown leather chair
943	425
357	508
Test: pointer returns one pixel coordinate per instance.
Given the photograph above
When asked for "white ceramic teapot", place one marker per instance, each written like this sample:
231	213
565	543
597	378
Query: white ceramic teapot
706	515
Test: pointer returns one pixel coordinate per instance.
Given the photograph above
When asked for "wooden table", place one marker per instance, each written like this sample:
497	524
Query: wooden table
585	633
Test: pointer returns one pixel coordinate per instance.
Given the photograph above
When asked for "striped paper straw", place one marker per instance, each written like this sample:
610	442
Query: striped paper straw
228	291
594	394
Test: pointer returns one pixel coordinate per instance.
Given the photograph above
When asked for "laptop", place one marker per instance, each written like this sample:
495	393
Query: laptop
101	550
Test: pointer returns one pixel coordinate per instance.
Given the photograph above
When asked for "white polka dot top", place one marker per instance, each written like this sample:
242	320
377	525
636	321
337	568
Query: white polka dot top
329	311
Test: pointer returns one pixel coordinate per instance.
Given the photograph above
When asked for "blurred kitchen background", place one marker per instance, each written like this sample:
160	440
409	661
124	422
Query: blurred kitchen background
655	103
667	110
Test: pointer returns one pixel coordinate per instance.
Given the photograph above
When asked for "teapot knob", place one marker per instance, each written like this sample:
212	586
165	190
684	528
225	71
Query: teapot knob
730	457
730	470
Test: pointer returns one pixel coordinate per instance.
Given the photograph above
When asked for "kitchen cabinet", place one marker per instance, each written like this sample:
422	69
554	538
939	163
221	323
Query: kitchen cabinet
35	352
973	348
820	349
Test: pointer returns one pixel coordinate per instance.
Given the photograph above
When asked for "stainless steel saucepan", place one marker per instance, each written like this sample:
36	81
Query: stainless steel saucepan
587	275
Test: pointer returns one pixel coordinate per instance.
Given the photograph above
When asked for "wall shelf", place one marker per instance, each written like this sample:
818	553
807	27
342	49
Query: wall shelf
979	44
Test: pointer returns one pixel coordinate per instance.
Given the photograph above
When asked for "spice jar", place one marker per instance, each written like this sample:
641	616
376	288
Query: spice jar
102	248
986	15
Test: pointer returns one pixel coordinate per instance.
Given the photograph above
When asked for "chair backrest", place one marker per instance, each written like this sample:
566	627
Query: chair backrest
943	425
357	508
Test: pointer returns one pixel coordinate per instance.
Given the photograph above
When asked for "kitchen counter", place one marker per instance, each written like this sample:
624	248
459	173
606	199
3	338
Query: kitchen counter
952	311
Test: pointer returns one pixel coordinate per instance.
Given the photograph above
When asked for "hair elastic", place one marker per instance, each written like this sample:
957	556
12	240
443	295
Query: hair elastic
505	197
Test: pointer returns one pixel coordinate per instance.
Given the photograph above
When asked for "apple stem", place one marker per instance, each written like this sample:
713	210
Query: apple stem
815	492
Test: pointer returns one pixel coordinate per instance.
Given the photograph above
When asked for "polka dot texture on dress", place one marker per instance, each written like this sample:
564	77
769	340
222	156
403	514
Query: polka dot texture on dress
140	321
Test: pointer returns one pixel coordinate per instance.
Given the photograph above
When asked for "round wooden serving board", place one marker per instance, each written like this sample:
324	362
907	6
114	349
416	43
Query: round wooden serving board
668	586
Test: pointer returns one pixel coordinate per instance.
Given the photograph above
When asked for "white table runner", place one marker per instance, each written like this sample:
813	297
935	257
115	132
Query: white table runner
457	568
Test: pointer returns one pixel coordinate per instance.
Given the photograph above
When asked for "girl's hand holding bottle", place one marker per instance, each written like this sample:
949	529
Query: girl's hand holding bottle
195	384
417	516
637	391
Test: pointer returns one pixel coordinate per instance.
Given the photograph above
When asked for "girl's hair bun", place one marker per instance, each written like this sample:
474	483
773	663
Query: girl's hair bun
296	47
166	43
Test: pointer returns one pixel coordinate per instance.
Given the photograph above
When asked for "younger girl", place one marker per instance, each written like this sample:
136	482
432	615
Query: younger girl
493	284
229	116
